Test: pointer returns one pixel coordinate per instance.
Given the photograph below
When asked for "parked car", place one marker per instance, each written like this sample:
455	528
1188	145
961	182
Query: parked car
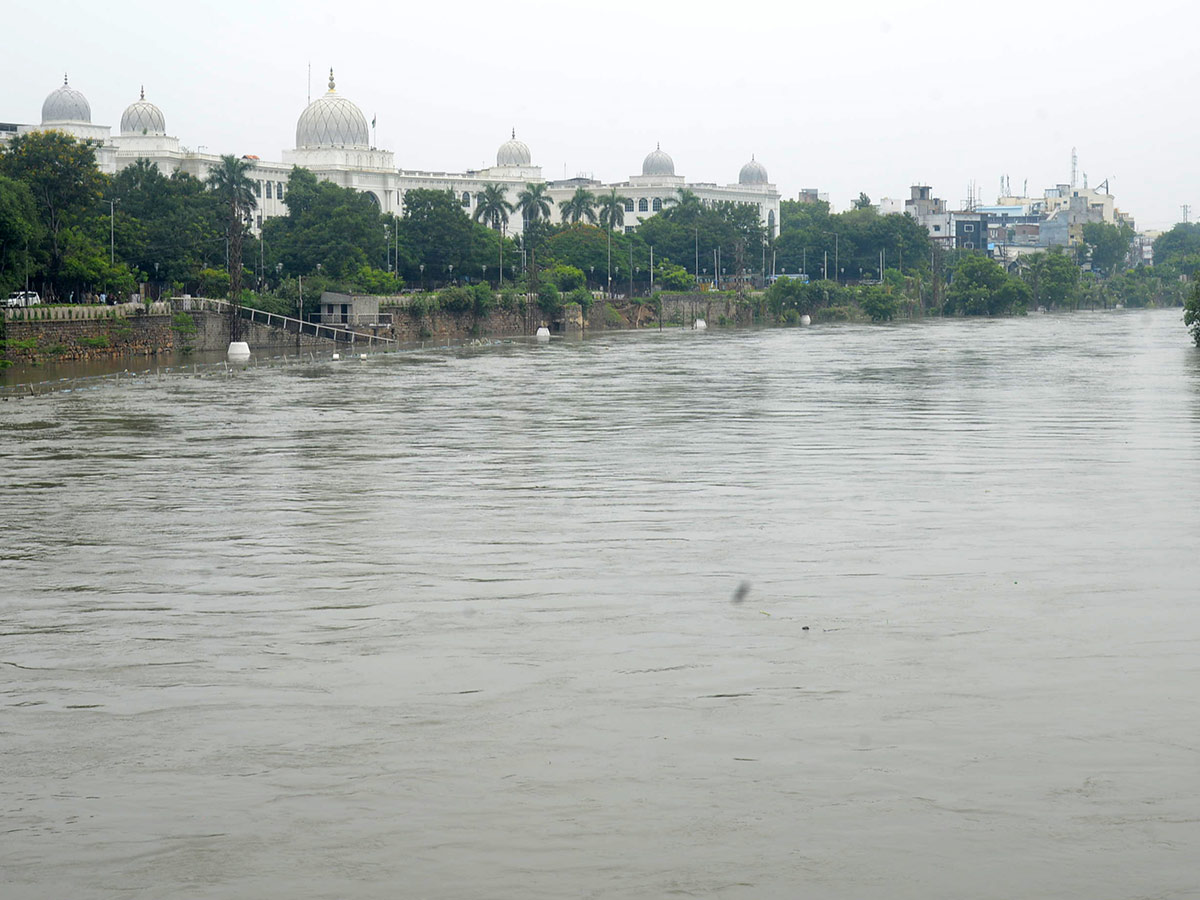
21	299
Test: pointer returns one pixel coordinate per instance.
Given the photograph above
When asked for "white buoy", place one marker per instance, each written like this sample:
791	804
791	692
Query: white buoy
362	356
543	333
239	351
701	325
336	357
806	320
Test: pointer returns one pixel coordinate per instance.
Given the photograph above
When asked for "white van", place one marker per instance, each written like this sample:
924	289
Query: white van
21	299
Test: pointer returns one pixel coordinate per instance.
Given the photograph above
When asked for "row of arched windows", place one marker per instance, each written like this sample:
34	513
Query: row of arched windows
644	205
266	188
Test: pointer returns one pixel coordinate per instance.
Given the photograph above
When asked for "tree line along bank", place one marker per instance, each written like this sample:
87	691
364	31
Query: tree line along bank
72	233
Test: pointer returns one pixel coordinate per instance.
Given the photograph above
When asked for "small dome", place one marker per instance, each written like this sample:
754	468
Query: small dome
513	152
66	105
658	163
143	117
753	172
332	121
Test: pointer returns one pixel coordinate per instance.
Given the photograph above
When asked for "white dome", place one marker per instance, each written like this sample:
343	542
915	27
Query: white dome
332	121
66	105
143	117
513	152
753	172
658	163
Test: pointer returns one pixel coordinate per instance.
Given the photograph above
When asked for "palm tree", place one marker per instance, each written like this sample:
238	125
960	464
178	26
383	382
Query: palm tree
581	206
534	203
491	207
235	191
685	206
612	210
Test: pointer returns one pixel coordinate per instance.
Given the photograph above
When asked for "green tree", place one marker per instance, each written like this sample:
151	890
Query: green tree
235	192
582	205
167	226
491	206
19	231
1191	312
980	288
1179	248
612	210
338	228
534	202
863	201
1053	279
878	303
436	233
61	175
1109	245
566	278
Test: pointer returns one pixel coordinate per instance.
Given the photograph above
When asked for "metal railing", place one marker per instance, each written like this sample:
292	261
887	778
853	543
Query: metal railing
338	333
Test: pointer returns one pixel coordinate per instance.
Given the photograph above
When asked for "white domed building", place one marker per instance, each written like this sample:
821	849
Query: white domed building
753	172
66	109
334	141
144	135
658	186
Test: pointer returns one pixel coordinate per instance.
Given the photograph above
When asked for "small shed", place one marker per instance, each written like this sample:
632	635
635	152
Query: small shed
348	309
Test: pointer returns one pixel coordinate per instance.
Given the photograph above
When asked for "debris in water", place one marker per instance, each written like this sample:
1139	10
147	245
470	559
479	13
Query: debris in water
742	590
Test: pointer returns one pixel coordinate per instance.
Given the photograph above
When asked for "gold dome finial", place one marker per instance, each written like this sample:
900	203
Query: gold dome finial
331	79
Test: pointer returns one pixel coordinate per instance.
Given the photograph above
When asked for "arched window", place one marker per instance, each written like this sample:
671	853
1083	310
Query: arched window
771	223
658	204
643	206
628	206
466	198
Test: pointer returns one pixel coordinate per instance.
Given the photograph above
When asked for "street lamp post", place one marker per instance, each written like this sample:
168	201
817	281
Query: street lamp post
112	228
422	268
631	270
836	268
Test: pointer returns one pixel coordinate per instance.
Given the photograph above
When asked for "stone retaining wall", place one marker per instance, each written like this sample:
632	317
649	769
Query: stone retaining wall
89	338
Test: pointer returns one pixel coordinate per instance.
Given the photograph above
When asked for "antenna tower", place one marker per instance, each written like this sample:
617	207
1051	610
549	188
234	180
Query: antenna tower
1074	166
1187	209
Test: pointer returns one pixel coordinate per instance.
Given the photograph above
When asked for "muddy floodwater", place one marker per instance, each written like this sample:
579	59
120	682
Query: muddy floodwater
462	623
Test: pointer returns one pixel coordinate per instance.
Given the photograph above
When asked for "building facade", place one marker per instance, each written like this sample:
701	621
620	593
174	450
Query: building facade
333	141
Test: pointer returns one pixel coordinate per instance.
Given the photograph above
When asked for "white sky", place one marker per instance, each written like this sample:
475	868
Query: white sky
848	96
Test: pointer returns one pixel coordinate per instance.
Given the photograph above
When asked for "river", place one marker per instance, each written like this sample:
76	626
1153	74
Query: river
901	611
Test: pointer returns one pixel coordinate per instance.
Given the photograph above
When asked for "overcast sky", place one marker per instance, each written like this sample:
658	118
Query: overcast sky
847	96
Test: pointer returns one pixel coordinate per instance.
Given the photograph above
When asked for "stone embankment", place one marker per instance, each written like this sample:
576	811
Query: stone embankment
48	333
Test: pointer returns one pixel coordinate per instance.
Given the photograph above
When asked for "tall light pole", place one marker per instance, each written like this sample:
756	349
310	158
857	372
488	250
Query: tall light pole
631	270
835	254
112	226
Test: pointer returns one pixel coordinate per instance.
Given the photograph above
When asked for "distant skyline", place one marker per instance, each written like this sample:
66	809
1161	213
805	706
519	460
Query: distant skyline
860	96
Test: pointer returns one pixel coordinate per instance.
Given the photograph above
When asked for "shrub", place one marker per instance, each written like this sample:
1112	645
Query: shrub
567	278
550	300
583	297
612	318
183	323
456	300
483	299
